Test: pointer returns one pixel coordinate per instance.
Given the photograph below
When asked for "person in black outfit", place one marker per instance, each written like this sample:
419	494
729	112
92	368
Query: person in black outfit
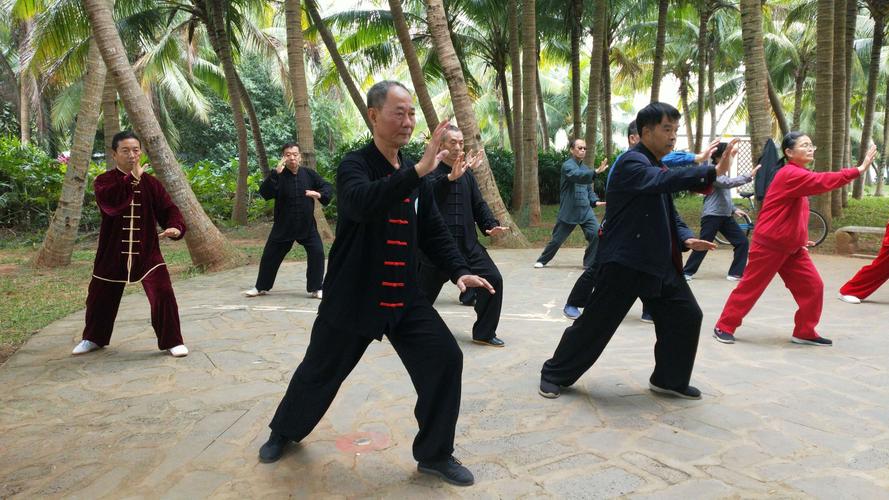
294	190
640	257
460	203
385	215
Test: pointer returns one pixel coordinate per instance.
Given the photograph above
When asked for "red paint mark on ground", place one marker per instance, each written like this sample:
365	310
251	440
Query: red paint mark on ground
362	442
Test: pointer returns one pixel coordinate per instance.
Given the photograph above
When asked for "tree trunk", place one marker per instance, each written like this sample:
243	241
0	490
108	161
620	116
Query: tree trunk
541	111
683	101
576	30
870	106
838	104
756	75
777	108
341	67
711	91
453	72
824	95
208	248
851	25
110	117
798	96
261	154
704	21
299	90
25	84
518	178
9	87
657	72
222	47
531	189
413	64
59	241
507	110
607	131
595	83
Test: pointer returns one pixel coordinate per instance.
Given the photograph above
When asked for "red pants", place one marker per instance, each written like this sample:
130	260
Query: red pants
800	277
871	276
103	300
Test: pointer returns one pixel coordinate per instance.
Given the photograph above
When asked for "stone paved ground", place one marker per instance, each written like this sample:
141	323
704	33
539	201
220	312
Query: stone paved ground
776	420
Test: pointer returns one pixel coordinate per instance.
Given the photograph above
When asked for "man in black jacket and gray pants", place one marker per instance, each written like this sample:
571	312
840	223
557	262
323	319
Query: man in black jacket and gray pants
640	257
385	215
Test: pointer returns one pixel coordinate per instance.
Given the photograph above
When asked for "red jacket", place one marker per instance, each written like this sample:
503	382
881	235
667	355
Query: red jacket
783	221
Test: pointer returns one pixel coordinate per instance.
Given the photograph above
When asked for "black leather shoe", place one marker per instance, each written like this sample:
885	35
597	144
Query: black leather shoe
549	390
690	392
492	342
449	470
272	450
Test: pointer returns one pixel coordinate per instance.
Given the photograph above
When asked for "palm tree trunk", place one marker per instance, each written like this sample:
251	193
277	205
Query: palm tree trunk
704	21
595	83
800	80
541	110
208	248
25	84
870	105
9	86
756	75
838	102
824	94
777	107
222	47
110	117
261	154
518	179
606	101
711	90
531	190
453	72
576	30
683	101
59	241
657	72
413	64
341	67
507	110
299	90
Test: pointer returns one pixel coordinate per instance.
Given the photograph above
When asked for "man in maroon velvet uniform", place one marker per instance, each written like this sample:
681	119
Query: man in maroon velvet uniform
133	205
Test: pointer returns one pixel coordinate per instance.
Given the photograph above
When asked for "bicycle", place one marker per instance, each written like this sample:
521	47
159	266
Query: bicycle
817	222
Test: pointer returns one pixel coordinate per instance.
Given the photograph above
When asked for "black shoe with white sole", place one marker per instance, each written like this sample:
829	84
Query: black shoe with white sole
449	470
816	341
549	390
690	392
724	337
272	450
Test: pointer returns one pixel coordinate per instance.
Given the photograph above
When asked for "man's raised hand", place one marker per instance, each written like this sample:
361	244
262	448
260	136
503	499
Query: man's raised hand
700	245
755	169
473	281
280	167
313	194
494	231
725	163
705	155
170	232
431	156
602	166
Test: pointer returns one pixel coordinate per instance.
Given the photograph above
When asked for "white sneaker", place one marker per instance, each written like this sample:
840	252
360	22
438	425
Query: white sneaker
85	346
688	277
316	294
253	292
732	277
538	265
850	299
180	351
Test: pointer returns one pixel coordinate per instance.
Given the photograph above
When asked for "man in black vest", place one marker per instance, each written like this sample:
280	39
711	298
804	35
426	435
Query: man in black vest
461	205
639	256
295	190
385	215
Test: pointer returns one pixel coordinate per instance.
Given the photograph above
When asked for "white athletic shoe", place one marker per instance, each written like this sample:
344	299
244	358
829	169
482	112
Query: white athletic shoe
85	346
732	277
253	292
180	351
850	299
316	294
538	265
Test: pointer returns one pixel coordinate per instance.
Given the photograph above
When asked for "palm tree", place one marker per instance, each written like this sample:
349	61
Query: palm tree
824	94
208	248
878	10
441	39
600	19
660	42
413	64
110	116
576	32
518	183
59	241
530	188
838	105
296	73
756	75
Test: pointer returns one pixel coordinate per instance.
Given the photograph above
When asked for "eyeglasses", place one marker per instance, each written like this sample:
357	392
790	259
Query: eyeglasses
810	147
582	148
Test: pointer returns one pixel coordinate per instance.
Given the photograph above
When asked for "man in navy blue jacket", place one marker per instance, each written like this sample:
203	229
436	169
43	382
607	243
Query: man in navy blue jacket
642	241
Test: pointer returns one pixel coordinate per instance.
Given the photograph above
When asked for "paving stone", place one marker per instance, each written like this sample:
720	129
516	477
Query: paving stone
608	483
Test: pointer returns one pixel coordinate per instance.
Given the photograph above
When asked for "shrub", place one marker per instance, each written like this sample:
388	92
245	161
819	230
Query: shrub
30	184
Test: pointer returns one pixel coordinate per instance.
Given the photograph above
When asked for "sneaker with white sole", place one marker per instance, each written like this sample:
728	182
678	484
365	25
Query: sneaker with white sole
253	292
820	341
849	299
180	351
732	277
688	277
316	294
538	265
85	346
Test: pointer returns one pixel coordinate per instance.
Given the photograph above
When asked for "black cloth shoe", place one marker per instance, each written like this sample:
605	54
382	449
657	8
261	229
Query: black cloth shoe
272	450
690	392
724	337
549	390
816	341
467	298
492	342
449	470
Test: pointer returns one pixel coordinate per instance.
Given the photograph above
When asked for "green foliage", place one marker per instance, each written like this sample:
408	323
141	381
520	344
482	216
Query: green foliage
30	184
214	186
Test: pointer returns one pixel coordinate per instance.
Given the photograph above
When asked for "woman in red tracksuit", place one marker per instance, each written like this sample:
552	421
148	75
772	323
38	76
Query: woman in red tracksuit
780	239
868	278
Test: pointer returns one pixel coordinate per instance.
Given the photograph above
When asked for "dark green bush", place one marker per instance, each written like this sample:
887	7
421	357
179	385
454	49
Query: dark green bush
30	183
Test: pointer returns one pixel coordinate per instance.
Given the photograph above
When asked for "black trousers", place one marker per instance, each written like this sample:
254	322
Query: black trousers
428	351
710	224
562	230
583	287
487	306
275	251
677	322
